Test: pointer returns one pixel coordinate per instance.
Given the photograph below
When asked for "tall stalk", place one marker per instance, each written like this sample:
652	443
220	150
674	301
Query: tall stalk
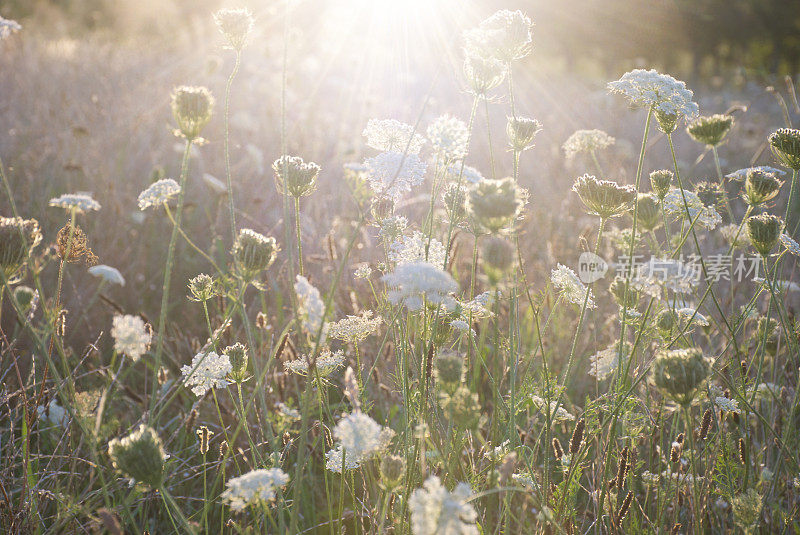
227	143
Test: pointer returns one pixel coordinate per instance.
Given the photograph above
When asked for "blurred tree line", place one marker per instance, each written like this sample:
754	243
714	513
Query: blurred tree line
687	37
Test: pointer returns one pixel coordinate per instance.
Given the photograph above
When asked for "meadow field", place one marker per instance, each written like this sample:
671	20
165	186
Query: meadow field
376	267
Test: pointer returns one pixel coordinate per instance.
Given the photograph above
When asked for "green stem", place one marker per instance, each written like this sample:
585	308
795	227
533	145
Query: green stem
297	231
227	143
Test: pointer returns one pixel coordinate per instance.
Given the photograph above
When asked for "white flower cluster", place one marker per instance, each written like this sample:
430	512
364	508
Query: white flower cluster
354	328
158	193
649	88
689	313
326	363
706	216
395	173
571	287
7	27
435	510
726	404
54	413
80	202
449	137
390	135
741	174
131	336
504	36
469	174
586	141
207	371
359	438
791	245
560	415
107	273
311	307
254	487
417	248
605	362
415	282
671	274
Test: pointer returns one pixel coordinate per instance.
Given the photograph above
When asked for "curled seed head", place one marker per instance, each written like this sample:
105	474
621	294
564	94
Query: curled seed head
577	437
705	426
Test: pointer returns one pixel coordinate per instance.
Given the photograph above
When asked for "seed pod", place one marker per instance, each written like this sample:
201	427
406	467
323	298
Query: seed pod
674	453
558	451
706	424
577	437
624	507
623	466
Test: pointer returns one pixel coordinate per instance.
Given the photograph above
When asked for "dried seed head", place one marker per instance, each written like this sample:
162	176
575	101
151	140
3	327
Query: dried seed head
577	437
204	435
705	426
223	449
521	132
764	231
73	246
624	507
675	453
710	130
760	186
295	177
253	252
661	181
622	470
604	198
742	452
191	107
710	194
785	145
558	451
18	237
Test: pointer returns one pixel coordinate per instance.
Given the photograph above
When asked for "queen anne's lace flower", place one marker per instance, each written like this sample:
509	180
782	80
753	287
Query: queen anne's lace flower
571	287
706	216
417	248
586	141
311	305
131	336
468	174
354	328
559	415
7	27
107	273
448	137
729	405
359	439
505	36
326	363
393	173
207	371
741	174
254	487
649	88
415	282
605	362
791	245
158	193
436	511
390	135
673	275
80	202
689	313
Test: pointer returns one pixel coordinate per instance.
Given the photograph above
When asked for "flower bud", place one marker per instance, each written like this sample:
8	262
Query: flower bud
235	25
661	181
202	287
680	373
295	177
191	107
392	470
253	252
710	130
139	456
617	288
785	146
760	187
495	204
604	198
648	212
764	231
237	354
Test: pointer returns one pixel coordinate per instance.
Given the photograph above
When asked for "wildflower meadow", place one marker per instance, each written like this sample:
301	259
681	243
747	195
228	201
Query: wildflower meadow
478	300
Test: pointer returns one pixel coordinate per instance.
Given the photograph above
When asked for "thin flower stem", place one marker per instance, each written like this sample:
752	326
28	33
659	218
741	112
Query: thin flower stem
227	143
297	231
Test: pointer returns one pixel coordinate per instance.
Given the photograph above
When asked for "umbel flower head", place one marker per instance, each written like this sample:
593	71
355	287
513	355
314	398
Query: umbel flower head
158	193
7	27
455	199
604	198
253	488
711	194
785	145
521	131
710	129
435	510
448	137
253	252
494	205
667	96
392	470
75	202
416	283
139	456
131	335
449	369
72	245
295	177
391	135
760	187
570	286
202	288
660	182
360	438
191	107
680	373
18	237
483	74
648	212
764	231
235	25
586	141
207	370
237	355
505	36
